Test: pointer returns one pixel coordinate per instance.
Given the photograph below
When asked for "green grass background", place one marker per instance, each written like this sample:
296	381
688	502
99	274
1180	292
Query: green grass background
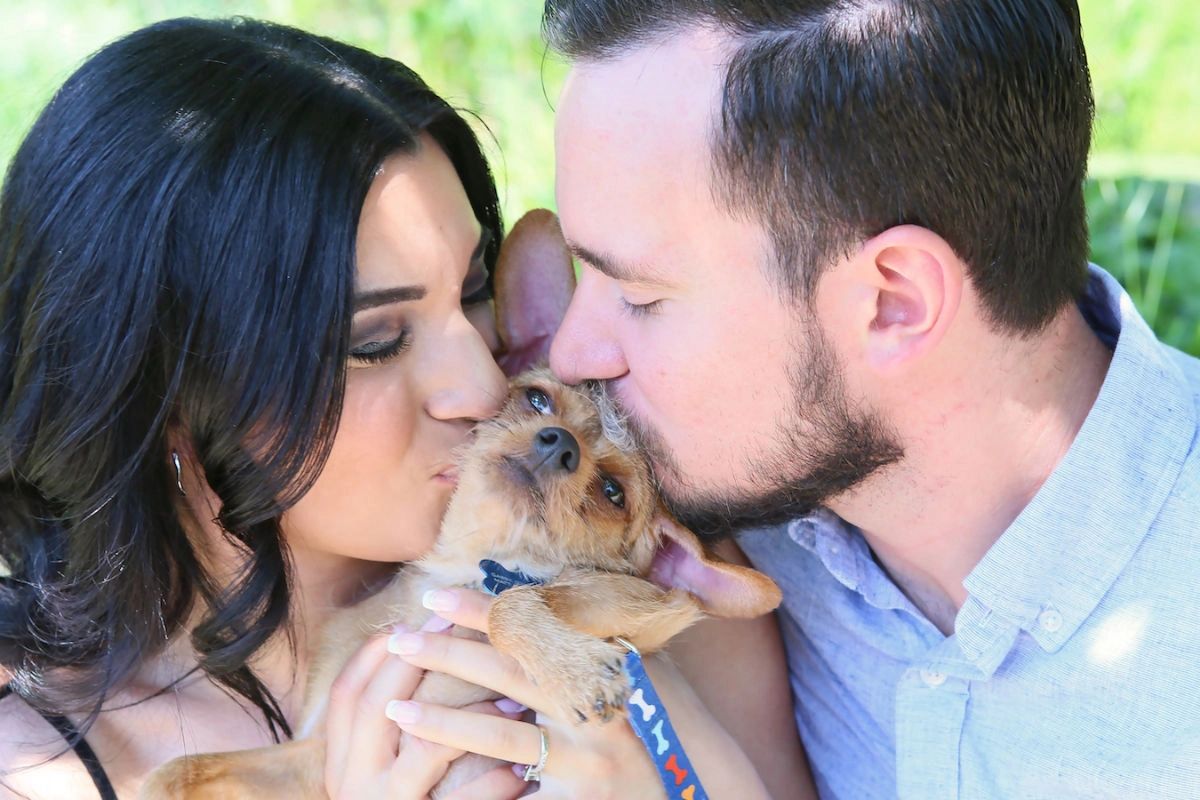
487	56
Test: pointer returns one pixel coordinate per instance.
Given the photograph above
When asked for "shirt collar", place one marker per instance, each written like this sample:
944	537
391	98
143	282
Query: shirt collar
1051	567
846	555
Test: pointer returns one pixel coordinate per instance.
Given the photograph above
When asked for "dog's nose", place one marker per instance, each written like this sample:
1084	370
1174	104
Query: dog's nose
556	448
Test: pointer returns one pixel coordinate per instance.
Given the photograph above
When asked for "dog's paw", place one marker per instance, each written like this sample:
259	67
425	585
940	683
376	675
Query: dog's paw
586	679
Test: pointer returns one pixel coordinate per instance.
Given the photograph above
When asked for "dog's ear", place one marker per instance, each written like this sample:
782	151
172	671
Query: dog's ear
534	282
722	589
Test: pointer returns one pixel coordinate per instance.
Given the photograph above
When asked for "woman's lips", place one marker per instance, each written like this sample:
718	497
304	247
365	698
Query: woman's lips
448	475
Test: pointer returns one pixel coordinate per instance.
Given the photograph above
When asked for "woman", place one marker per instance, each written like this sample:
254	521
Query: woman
244	320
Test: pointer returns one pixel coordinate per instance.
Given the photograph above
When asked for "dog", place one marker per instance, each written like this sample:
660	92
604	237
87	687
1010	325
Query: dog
552	488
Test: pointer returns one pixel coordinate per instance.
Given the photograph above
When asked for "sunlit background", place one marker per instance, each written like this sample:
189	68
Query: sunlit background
486	56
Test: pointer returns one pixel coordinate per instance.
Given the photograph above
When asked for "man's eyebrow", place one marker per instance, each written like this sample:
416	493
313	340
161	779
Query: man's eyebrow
628	273
383	297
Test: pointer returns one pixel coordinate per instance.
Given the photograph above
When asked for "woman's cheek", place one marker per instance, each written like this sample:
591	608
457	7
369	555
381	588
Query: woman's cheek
354	507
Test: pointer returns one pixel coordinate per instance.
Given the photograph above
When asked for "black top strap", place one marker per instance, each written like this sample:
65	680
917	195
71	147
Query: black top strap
76	742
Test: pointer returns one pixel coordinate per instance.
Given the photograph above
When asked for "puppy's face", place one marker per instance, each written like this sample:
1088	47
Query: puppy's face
560	469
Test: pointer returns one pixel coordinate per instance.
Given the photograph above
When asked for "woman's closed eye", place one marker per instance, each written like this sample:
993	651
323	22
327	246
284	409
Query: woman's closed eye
379	350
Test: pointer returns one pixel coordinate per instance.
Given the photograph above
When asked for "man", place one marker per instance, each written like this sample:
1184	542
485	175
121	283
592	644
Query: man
834	269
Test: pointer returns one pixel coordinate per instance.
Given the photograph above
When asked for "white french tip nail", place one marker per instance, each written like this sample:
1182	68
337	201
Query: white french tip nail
439	600
402	712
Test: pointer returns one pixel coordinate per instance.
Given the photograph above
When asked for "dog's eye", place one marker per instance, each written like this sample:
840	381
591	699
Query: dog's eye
612	490
538	401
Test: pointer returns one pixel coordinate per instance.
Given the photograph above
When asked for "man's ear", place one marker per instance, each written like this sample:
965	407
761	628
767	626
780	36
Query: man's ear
916	284
723	590
534	282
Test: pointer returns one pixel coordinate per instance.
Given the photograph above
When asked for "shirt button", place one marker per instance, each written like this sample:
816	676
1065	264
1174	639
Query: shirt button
932	679
1050	620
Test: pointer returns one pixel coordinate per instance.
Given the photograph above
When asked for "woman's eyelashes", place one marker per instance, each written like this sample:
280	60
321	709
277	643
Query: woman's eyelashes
476	289
377	352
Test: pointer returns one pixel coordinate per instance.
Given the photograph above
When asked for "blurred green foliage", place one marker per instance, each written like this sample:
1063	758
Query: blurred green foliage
487	57
484	56
1147	234
1141	54
1144	194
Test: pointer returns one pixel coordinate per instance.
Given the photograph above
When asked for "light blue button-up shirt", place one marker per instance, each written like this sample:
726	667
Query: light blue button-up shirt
1074	666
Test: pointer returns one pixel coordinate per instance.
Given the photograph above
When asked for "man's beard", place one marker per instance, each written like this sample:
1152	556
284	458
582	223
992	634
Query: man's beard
806	470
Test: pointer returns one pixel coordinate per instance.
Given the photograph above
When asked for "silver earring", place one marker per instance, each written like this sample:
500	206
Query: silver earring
178	472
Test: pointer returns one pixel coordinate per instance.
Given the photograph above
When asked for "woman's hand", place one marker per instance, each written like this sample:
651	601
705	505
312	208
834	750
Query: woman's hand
366	755
594	760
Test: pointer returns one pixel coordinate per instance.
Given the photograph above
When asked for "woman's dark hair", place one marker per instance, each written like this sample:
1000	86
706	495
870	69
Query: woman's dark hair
177	240
842	118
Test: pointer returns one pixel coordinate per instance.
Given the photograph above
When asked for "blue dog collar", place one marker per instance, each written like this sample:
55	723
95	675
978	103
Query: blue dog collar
645	710
497	578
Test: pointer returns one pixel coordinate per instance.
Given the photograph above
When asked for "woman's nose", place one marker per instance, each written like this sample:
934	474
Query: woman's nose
470	386
584	348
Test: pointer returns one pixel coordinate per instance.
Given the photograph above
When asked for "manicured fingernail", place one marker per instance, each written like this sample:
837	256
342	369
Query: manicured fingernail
439	600
436	624
510	706
405	644
403	712
519	770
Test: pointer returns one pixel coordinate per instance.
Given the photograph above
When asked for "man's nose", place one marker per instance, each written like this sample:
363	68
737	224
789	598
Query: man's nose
585	348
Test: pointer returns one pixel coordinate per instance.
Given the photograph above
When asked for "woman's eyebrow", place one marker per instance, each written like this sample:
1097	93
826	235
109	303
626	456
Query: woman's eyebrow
401	294
382	297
